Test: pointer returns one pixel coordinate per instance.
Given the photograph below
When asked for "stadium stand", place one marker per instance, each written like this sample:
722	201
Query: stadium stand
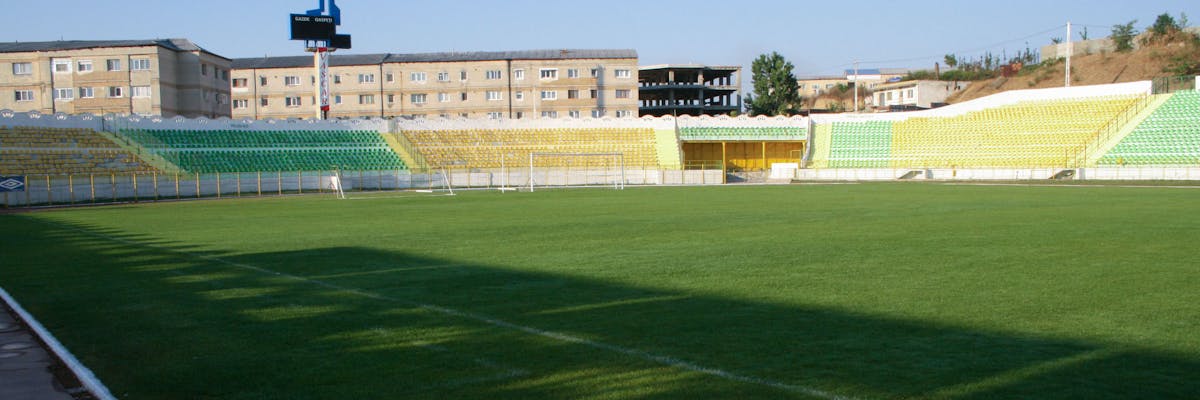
490	148
860	144
1044	133
749	133
206	151
1169	136
61	151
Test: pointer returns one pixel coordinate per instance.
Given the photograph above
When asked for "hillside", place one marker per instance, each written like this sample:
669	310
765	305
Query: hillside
1146	63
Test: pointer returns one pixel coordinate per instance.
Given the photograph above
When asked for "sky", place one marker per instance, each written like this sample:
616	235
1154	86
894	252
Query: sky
819	38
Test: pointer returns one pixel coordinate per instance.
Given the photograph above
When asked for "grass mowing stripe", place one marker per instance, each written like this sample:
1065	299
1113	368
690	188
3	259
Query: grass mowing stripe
645	356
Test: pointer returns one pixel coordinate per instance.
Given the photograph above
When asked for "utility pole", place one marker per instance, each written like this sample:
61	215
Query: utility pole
856	86
1070	52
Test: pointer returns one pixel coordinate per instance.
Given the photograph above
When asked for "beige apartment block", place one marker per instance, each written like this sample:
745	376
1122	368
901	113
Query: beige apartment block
170	77
496	85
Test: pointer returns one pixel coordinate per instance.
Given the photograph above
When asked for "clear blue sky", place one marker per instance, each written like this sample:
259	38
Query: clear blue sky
818	37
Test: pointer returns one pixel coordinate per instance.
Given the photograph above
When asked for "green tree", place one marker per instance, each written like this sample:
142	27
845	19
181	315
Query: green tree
1122	36
951	61
776	91
1164	24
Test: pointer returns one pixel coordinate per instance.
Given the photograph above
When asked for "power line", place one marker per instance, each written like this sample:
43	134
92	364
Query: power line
923	58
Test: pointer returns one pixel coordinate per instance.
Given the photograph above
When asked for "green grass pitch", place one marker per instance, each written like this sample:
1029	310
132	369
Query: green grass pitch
867	291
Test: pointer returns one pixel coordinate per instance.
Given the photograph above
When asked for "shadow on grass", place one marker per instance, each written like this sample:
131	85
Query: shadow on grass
157	319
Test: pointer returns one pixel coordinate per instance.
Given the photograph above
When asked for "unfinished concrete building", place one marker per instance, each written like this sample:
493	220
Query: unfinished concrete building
689	90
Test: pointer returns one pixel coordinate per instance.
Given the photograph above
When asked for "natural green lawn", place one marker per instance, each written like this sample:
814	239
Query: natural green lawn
860	291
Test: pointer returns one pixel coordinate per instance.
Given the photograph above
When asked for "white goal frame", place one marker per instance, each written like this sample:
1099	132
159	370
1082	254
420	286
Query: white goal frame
612	171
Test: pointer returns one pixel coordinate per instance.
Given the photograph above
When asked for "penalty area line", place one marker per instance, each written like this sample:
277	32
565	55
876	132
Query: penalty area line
558	336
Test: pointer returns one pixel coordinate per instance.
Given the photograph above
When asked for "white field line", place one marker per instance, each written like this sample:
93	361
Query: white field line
85	375
562	337
1063	185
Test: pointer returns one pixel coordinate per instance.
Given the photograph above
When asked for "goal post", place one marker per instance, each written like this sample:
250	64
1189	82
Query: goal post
436	181
564	170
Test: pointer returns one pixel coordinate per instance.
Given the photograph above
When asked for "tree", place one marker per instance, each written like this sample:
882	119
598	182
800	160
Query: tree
951	61
1164	24
776	91
1083	34
1122	36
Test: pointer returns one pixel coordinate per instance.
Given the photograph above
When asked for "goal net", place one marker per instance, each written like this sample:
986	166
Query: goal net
383	184
563	170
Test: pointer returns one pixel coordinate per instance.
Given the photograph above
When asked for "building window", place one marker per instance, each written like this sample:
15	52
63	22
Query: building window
592	94
66	94
623	73
241	104
204	69
549	73
519	74
292	102
112	64
595	72
389	77
116	92
366	99
494	74
549	95
597	114
462	76
366	78
140	64
391	98
623	93
264	102
87	93
140	91
572	73
262	81
337	79
519	96
494	95
624	113
443	97
22	68
84	66
443	77
418	98
463	95
573	113
419	77
291	80
573	94
910	93
24	95
62	66
337	99
240	83
495	115
549	114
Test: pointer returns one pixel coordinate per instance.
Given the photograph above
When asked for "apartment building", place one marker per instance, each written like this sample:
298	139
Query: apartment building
494	85
169	77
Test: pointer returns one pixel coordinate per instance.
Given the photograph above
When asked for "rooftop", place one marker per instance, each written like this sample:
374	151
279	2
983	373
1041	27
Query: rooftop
64	45
375	59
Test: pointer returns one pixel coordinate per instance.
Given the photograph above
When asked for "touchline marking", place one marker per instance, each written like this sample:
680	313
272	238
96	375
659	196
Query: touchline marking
646	356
